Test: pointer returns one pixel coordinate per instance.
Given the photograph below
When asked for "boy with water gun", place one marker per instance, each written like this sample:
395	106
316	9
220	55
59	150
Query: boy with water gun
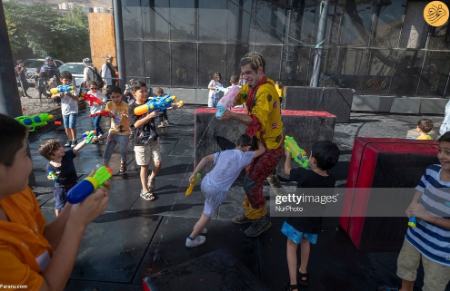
304	231
34	254
69	109
60	169
228	165
96	103
427	240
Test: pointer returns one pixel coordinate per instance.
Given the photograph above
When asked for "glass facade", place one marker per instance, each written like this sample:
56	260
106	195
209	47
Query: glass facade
377	47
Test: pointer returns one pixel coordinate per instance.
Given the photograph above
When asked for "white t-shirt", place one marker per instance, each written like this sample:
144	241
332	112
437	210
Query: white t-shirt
227	167
213	84
69	105
445	126
96	108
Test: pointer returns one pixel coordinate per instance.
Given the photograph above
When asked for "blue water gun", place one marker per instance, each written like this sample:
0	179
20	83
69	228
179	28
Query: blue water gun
157	103
62	89
86	187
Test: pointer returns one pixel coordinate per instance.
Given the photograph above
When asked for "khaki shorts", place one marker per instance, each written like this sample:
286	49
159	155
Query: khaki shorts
144	153
436	276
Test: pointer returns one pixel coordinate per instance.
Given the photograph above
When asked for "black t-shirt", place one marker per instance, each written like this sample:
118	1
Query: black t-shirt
144	134
309	179
66	173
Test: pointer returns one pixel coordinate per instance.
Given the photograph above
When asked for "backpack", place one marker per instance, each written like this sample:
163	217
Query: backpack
97	78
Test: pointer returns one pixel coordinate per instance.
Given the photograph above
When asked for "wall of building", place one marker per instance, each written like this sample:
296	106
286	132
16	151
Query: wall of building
376	47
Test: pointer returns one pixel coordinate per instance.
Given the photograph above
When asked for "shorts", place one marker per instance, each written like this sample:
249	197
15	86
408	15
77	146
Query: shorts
143	153
70	120
296	236
436	276
213	198
60	195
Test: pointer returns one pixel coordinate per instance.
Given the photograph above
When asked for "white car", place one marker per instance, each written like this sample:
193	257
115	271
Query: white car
76	69
33	66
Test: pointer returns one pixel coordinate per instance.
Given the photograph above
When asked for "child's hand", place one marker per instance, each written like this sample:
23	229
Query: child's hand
412	206
419	211
153	114
94	205
124	115
192	178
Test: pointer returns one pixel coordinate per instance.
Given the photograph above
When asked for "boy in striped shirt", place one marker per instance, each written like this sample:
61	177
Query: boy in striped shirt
429	241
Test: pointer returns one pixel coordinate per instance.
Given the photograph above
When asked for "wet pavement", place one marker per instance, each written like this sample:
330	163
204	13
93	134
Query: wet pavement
137	238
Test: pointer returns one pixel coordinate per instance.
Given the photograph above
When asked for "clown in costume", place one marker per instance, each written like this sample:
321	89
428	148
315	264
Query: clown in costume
264	122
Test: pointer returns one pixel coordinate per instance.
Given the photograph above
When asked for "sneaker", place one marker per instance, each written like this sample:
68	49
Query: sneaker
241	219
161	125
166	123
148	196
192	243
204	231
73	143
258	227
68	144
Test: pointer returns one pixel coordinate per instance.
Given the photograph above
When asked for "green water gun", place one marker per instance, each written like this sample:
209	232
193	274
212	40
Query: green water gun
297	153
34	121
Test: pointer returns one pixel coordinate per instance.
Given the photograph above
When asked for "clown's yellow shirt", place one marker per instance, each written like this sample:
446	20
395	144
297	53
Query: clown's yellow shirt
266	109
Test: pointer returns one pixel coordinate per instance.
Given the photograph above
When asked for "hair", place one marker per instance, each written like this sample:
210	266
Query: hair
12	136
218	74
326	154
116	90
445	137
66	75
159	91
234	78
244	140
137	86
48	148
256	60
425	125
93	83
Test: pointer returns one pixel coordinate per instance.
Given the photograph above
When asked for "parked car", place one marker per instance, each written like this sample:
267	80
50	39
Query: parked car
76	69
33	66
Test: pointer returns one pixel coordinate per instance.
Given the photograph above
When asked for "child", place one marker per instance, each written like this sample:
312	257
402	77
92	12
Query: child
429	241
61	169
146	141
304	231
120	128
35	255
163	117
69	109
228	165
213	96
423	131
96	108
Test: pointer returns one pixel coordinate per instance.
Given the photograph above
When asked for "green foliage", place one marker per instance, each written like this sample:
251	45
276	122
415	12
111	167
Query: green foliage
40	30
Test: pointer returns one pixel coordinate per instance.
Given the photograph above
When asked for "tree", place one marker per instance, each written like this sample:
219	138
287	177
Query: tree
39	30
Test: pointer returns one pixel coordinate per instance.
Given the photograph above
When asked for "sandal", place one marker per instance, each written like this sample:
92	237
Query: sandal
148	196
303	279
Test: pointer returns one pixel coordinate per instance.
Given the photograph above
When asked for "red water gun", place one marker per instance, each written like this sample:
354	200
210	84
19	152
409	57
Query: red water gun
91	99
103	113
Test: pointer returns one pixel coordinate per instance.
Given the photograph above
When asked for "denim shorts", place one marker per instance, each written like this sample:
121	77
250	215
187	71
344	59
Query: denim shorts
60	194
70	120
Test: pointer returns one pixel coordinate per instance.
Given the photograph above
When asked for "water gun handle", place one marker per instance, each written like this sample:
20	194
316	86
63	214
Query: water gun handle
412	221
192	184
86	187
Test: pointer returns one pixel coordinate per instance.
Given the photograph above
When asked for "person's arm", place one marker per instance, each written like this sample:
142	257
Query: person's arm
211	85
78	147
143	121
203	162
243	118
418	210
63	259
261	150
85	75
287	163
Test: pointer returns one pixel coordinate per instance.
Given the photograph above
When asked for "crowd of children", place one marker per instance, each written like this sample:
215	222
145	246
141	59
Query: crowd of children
42	256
